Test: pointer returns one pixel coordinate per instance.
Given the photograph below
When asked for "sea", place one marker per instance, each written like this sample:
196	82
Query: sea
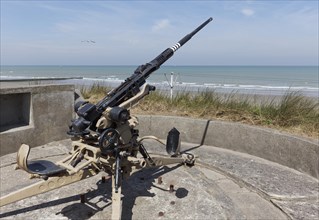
274	80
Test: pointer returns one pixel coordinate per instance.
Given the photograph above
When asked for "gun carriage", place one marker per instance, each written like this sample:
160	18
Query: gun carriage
105	138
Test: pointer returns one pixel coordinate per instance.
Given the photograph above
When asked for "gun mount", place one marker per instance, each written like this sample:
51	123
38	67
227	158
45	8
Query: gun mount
105	138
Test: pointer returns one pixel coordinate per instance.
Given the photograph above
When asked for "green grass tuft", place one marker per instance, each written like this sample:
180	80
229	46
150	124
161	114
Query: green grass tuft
97	90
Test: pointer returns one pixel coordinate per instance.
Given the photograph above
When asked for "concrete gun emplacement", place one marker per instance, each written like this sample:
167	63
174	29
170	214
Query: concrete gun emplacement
105	138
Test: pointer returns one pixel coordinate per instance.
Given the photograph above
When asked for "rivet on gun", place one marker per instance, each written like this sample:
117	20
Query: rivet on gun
160	180
171	188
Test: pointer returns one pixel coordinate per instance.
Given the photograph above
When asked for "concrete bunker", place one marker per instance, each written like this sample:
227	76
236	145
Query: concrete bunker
15	111
34	115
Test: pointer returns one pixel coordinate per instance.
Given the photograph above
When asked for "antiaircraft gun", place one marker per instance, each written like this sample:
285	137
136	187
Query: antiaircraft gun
105	138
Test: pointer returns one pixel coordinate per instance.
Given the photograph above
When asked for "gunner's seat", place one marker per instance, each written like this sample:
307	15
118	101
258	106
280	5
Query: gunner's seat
40	167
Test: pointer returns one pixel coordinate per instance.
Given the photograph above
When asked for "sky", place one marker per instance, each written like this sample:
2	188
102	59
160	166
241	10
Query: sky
250	32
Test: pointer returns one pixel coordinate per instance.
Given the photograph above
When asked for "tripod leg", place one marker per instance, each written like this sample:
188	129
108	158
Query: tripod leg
162	161
117	176
116	201
44	186
116	190
146	156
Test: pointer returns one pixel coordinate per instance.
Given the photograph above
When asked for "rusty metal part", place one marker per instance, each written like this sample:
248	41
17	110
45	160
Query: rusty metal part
160	180
171	188
160	214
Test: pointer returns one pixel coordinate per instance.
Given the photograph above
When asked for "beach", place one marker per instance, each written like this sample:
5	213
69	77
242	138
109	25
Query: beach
251	80
256	96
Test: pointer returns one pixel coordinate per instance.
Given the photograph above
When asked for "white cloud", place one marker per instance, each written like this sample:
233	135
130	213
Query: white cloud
162	24
247	12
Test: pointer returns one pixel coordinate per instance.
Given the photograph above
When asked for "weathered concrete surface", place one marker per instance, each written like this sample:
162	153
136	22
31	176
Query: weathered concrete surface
295	152
222	185
298	153
51	109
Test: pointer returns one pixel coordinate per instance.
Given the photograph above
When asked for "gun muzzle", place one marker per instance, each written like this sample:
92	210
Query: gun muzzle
190	35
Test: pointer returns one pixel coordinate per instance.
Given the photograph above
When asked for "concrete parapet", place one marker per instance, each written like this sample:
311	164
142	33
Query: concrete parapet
192	131
34	115
295	152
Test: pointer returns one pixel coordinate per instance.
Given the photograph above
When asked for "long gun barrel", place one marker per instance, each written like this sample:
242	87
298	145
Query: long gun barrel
89	113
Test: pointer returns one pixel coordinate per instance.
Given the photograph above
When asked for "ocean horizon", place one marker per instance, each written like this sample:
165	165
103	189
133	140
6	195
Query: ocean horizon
244	79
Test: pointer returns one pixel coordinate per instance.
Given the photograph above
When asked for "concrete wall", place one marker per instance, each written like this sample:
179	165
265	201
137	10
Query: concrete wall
298	153
34	115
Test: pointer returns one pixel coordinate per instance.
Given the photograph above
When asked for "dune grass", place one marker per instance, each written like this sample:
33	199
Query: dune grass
292	112
96	90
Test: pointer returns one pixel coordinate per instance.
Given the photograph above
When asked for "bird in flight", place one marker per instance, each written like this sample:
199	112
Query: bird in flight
88	41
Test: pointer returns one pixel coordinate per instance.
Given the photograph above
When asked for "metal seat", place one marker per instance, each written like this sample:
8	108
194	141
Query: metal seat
40	167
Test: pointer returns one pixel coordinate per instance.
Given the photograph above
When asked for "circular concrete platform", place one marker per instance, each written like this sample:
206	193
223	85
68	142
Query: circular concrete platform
222	185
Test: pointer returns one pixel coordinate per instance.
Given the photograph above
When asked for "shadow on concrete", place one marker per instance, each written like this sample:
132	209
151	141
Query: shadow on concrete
205	132
75	210
139	184
190	149
40	206
202	142
87	209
